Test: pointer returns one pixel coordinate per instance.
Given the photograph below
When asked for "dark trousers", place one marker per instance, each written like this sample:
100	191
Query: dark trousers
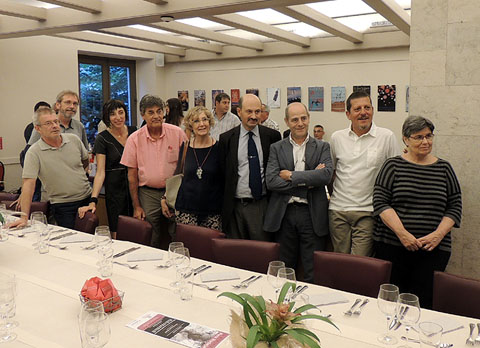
296	235
412	271
247	220
65	213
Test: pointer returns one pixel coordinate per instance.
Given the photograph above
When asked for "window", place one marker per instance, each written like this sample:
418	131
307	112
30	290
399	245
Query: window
100	80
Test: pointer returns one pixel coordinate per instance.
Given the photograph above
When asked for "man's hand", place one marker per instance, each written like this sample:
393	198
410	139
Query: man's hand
166	210
286	175
139	213
320	166
22	222
82	210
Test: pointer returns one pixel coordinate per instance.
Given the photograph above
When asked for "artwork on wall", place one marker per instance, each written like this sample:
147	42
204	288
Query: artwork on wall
199	95
294	94
338	99
215	92
386	98
315	98
235	100
183	96
273	97
252	91
365	89
407	99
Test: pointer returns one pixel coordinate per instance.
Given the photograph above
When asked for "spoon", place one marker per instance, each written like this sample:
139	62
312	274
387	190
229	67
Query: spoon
126	264
61	247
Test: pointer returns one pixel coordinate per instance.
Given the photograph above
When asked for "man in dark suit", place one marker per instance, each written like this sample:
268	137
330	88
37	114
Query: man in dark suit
298	169
244	155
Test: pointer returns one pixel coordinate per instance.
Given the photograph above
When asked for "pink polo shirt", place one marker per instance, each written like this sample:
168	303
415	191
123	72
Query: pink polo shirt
156	160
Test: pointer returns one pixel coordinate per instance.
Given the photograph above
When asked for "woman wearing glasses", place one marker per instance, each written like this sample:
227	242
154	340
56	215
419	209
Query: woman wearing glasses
417	201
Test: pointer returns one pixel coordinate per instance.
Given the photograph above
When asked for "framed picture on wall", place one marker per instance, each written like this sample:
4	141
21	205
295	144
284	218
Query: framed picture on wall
386	98
273	97
183	96
235	100
407	98
315	98
294	94
199	95
365	89
252	91
215	92
338	99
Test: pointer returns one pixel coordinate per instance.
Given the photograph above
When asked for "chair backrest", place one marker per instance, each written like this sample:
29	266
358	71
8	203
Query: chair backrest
358	274
5	196
2	176
456	295
35	206
198	240
134	230
87	224
253	255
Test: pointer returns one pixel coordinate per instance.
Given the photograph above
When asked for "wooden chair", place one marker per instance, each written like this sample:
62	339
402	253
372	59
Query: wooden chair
5	196
456	295
87	224
198	240
252	255
358	274
36	206
134	230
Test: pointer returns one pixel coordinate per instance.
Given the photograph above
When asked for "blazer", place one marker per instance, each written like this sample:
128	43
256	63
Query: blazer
229	161
309	183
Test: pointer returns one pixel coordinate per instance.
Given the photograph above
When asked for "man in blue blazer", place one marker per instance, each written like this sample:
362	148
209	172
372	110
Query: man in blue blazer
298	169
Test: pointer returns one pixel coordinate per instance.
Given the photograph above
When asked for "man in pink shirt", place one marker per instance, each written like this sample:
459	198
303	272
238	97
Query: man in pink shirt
151	155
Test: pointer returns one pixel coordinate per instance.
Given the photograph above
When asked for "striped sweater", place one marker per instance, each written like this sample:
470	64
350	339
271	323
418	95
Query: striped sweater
421	195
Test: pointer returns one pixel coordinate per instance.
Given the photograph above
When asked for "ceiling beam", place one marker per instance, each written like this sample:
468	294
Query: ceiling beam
10	8
89	6
121	42
242	22
393	12
166	39
190	30
118	13
158	2
306	14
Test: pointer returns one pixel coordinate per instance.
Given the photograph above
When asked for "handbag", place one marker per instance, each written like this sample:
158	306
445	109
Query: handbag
172	184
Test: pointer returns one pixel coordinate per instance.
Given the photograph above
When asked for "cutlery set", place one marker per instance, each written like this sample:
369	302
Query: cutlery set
247	282
395	324
358	311
473	341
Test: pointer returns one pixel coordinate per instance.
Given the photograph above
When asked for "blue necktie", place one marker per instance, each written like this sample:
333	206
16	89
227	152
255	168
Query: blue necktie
254	178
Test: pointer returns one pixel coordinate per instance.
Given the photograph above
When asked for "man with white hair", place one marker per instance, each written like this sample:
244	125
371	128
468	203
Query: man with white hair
266	120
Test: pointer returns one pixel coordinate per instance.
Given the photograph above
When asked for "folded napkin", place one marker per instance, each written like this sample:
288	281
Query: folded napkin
76	238
328	298
147	256
214	277
102	290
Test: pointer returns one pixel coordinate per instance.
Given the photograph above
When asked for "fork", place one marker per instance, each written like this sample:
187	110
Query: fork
359	309
247	283
470	341
477	340
239	285
350	311
126	264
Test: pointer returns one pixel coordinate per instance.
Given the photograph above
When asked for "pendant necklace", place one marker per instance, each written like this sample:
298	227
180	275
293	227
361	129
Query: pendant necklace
199	166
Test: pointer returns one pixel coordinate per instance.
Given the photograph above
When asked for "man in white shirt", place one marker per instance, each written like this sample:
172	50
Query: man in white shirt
358	153
266	120
224	119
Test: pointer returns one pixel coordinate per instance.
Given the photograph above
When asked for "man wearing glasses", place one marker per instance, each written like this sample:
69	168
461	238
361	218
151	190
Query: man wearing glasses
358	153
59	161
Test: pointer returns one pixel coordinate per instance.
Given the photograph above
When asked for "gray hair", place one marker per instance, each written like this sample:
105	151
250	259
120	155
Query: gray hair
149	101
288	108
64	93
196	112
267	108
41	111
414	124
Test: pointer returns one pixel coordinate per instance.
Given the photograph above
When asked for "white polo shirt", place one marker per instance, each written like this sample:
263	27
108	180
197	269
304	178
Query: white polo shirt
357	161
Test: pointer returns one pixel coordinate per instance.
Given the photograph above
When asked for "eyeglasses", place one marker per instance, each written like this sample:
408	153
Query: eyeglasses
50	123
419	138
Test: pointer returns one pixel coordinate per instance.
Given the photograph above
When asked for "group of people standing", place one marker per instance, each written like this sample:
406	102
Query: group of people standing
242	178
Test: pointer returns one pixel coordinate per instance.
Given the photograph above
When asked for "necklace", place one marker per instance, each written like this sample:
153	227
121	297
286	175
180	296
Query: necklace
199	166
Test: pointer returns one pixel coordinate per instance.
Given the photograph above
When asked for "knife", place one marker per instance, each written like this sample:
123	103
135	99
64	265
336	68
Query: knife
299	291
63	235
201	270
126	252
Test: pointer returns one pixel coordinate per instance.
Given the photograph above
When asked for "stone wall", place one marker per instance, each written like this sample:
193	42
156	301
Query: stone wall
445	87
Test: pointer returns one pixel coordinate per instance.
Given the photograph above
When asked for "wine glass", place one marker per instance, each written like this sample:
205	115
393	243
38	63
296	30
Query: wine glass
180	259
408	312
287	275
7	302
272	274
387	303
171	247
95	328
103	238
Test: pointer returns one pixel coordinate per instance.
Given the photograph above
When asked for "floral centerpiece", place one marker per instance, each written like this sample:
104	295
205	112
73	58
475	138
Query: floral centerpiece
275	323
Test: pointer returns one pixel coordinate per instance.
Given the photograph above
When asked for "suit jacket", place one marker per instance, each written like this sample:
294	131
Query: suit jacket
309	183
229	160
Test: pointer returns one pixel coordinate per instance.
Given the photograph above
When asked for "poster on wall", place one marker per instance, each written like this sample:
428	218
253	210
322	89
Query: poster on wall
199	95
365	89
407	99
183	96
252	91
338	99
294	94
235	100
273	97
315	98
215	92
386	98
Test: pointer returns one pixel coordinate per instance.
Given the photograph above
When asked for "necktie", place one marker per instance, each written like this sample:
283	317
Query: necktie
254	178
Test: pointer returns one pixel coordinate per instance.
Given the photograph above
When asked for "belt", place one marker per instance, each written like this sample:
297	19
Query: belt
298	204
247	200
154	188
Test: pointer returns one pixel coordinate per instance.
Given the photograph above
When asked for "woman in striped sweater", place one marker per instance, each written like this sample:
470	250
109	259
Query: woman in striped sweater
417	201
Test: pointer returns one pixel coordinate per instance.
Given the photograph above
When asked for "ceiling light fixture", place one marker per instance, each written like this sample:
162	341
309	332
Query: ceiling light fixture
166	18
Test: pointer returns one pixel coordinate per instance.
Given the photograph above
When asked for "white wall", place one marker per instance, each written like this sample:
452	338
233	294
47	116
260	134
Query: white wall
374	67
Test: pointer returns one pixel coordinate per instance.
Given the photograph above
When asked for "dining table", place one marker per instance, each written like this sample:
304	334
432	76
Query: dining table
48	303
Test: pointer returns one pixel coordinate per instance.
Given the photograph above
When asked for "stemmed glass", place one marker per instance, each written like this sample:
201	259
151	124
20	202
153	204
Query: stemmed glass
7	302
287	275
171	247
408	312
180	259
387	303
272	274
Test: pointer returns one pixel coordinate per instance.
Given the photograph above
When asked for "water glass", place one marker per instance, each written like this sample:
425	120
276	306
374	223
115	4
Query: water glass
430	334
39	222
105	261
102	237
95	329
89	307
7	302
10	278
408	312
387	303
185	277
287	275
